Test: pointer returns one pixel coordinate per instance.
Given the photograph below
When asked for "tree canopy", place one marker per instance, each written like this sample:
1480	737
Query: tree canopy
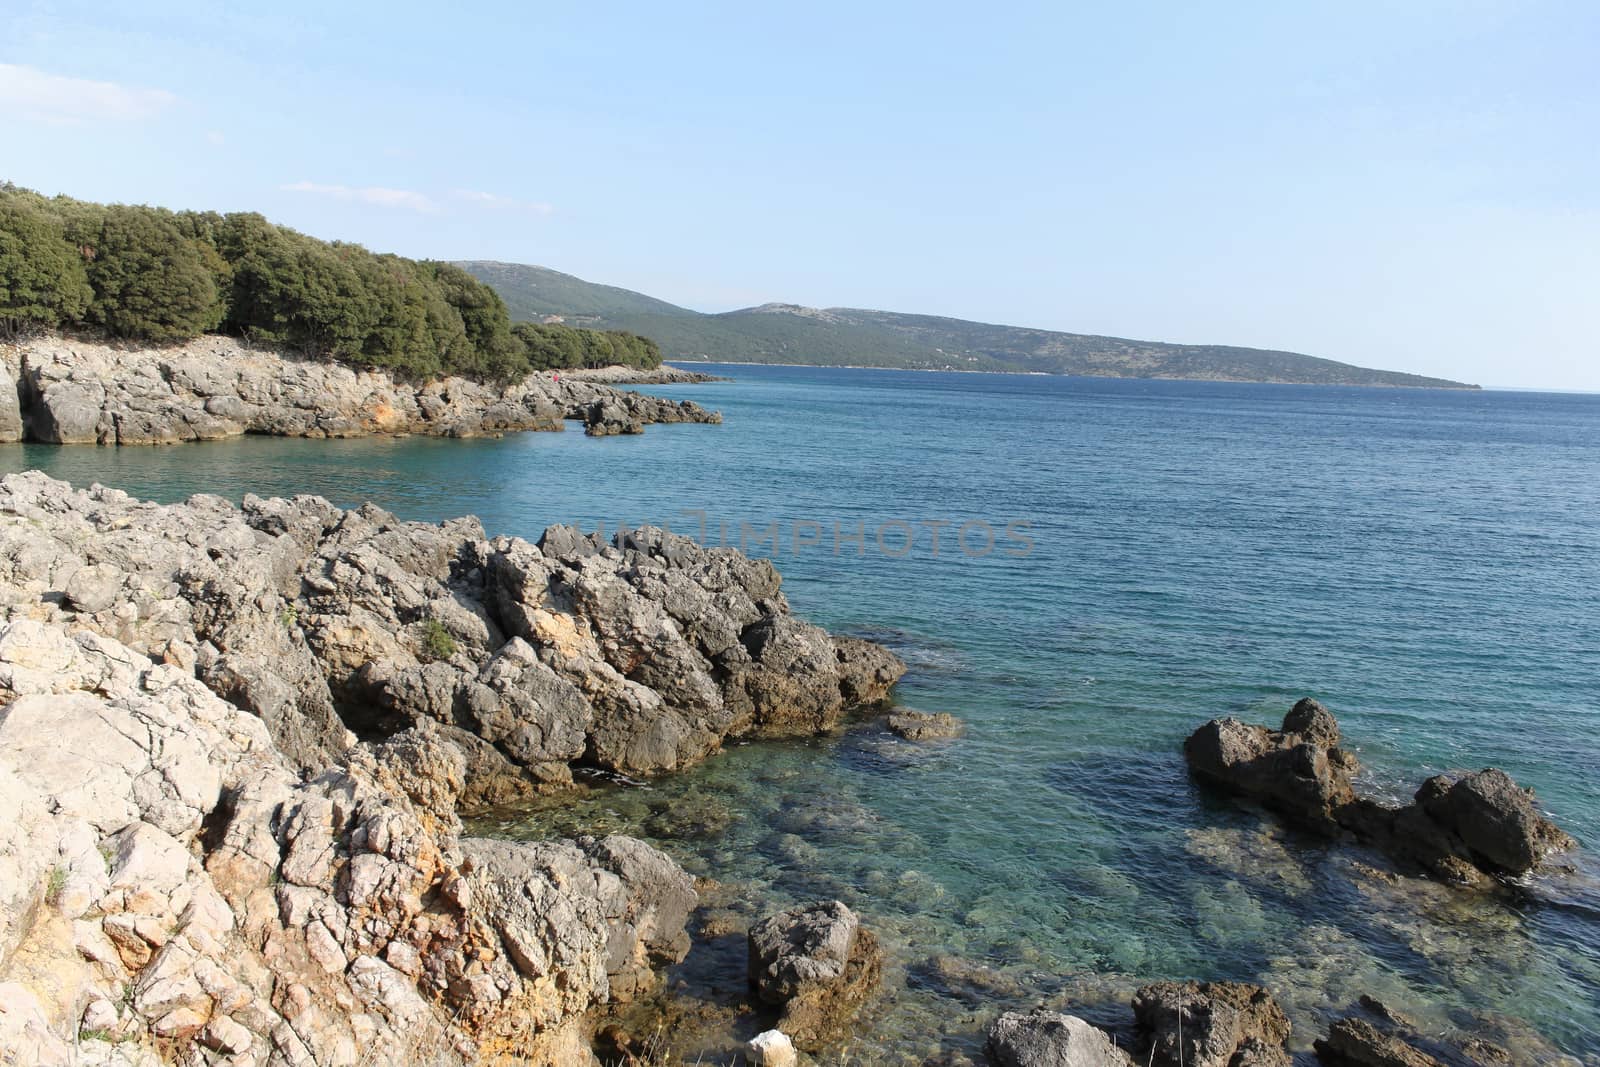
149	273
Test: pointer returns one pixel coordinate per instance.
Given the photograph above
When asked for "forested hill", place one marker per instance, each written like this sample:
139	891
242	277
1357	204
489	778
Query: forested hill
152	275
788	333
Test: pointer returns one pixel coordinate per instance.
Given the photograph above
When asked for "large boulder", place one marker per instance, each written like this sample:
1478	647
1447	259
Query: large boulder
820	965
1050	1039
1497	821
11	428
1212	1024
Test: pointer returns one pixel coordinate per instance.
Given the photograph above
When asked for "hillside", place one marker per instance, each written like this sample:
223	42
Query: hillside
788	333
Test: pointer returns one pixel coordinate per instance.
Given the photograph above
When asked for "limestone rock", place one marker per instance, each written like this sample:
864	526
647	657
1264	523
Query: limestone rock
76	391
925	726
1050	1039
770	1048
818	962
1301	774
1357	1043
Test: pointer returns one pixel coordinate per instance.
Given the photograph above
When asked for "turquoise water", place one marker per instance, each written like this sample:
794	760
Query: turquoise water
1423	562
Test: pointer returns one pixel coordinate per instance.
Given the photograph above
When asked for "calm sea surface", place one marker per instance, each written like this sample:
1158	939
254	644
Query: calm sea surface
1425	563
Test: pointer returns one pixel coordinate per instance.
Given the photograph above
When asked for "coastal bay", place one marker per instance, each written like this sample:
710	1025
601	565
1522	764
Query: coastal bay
1201	550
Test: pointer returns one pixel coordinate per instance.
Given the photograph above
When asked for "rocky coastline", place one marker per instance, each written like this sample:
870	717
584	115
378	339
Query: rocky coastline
666	374
236	741
62	389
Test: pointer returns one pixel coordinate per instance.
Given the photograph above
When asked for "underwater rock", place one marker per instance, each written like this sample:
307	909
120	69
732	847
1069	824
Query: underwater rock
925	726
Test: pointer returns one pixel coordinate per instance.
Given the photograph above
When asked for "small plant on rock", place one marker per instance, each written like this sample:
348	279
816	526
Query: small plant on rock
437	643
58	882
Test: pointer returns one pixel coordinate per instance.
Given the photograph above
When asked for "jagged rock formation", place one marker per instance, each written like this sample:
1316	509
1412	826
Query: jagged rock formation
1470	830
820	965
168	881
641	656
62	390
233	742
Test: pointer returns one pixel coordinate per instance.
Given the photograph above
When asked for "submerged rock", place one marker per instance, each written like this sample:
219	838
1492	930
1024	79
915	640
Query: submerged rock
820	965
1050	1039
1465	830
925	726
1358	1043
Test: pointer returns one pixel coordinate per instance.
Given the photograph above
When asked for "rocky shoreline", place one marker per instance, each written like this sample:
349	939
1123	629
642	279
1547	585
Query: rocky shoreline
666	374
235	742
59	389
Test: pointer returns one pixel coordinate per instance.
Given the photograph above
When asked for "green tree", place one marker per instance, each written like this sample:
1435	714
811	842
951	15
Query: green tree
149	280
495	351
42	278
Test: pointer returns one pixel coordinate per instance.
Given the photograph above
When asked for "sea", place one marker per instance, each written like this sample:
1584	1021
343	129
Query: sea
1084	571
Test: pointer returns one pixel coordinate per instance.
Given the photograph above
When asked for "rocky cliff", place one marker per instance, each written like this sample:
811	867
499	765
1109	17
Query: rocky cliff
233	742
65	390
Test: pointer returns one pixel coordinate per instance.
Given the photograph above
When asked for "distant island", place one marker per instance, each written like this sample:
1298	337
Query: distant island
837	337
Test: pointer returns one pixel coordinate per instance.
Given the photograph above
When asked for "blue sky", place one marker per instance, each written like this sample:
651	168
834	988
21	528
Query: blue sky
1412	185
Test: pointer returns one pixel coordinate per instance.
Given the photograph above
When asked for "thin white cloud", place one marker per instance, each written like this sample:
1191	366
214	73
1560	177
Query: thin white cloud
30	93
216	137
366	194
497	202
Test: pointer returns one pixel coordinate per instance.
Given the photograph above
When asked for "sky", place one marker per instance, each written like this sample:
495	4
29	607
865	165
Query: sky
1411	184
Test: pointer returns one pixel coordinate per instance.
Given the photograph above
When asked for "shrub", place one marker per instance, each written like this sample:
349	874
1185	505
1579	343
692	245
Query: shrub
437	643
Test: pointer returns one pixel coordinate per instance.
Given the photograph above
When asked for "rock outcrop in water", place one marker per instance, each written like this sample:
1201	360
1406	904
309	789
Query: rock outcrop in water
1468	830
233	742
61	390
820	965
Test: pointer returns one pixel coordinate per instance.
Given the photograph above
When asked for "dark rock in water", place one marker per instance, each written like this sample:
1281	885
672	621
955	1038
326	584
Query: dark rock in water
925	726
820	965
1050	1039
1298	770
1495	818
1465	830
606	417
1358	1043
1212	1024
